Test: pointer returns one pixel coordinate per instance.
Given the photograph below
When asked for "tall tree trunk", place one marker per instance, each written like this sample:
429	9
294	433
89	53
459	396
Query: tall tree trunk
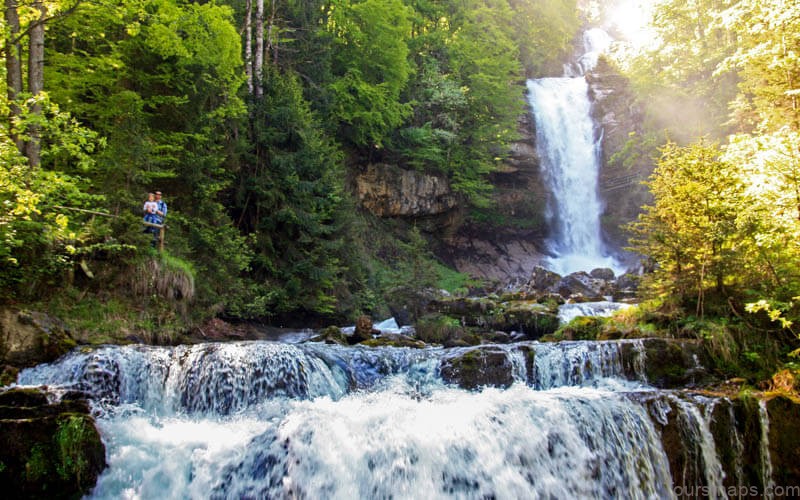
248	45
258	69
36	80
272	45
13	65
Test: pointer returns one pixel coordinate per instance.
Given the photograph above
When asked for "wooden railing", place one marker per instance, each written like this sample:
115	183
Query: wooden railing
620	182
162	228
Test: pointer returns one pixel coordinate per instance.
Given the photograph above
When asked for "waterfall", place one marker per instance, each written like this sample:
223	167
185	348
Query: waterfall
273	420
766	463
569	149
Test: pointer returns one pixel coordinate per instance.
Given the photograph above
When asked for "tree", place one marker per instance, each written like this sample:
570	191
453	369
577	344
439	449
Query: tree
767	57
691	232
770	164
371	68
289	199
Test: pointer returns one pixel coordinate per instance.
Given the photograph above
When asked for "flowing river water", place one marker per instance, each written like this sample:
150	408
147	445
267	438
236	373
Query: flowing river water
278	420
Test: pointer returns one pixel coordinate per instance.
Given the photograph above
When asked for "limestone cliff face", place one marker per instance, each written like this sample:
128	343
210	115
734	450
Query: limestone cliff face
390	191
619	119
503	242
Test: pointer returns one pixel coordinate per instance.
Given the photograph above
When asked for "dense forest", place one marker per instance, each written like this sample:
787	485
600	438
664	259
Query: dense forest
250	118
253	117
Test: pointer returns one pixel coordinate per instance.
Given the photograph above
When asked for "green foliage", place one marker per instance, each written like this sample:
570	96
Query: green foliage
371	67
290	200
691	232
544	31
71	438
148	94
767	61
454	281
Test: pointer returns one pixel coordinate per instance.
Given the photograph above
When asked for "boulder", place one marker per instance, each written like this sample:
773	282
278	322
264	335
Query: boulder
581	284
394	340
528	316
667	363
602	273
330	335
542	280
29	338
487	366
363	331
47	450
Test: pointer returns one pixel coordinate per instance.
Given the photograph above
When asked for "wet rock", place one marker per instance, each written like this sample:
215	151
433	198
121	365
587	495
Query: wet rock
28	338
668	363
363	331
784	440
681	441
331	335
736	428
48	450
626	288
602	273
478	367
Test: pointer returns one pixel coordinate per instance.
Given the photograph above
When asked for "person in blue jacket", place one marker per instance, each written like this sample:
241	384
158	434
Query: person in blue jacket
161	208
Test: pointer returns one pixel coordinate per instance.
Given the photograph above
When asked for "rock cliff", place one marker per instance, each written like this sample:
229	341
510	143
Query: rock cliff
390	191
619	120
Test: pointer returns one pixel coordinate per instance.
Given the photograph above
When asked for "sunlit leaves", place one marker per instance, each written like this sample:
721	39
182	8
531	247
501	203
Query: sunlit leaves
691	231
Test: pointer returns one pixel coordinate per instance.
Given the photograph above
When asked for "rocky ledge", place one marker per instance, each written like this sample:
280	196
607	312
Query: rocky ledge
47	449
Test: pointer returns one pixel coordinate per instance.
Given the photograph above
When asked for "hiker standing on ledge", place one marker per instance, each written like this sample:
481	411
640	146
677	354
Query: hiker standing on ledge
161	209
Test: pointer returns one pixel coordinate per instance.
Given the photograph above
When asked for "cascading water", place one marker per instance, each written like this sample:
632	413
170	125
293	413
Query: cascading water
271	420
569	150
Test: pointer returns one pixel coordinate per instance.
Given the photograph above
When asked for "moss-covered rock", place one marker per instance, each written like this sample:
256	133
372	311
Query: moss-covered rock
530	317
582	328
47	450
668	363
330	335
478	367
394	340
784	440
28	338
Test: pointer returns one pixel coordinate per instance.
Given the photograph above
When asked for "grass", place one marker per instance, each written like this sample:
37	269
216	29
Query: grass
453	281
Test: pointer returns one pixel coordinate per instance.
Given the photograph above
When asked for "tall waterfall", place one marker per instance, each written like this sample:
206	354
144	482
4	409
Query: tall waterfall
272	420
569	149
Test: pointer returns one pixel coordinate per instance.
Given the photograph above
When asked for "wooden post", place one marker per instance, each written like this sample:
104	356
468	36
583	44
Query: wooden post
162	228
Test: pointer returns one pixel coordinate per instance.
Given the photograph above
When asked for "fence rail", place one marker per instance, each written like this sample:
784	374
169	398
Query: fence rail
620	182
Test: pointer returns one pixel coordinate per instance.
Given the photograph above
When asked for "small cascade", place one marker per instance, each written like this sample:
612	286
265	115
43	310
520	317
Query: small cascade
568	312
276	420
737	446
585	363
223	378
766	460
